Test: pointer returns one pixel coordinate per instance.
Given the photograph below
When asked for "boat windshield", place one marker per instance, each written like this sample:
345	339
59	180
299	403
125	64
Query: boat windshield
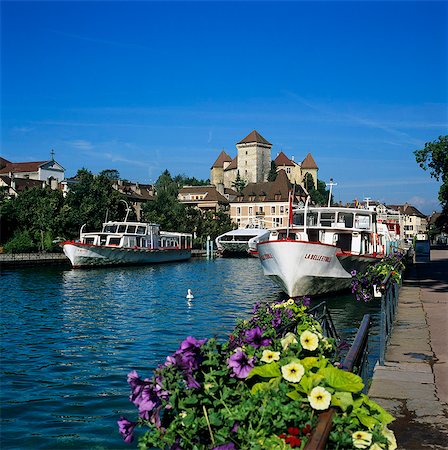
110	229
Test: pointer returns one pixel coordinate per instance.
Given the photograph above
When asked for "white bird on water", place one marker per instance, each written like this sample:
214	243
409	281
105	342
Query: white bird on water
189	295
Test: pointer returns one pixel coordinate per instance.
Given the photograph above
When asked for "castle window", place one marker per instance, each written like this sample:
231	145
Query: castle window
251	210
272	209
238	210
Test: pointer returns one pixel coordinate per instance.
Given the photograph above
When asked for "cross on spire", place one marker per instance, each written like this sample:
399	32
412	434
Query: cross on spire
52	154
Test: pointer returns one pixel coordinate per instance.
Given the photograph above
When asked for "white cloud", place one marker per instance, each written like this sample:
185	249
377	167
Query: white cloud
81	144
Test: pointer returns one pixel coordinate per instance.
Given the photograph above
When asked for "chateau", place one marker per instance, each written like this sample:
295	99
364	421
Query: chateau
253	163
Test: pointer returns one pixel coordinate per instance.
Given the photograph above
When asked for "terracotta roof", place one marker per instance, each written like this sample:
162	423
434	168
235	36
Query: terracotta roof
233	164
222	158
4	162
309	163
271	191
408	210
254	136
283	160
22	183
211	193
22	167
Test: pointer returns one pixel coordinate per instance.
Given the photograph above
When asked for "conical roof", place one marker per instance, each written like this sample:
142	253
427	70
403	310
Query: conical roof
254	136
283	160
222	158
309	163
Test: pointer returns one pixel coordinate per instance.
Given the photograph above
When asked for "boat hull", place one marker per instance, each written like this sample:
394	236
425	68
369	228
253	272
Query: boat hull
303	268
84	255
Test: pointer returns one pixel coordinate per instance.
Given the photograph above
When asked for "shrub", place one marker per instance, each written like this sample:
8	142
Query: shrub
21	242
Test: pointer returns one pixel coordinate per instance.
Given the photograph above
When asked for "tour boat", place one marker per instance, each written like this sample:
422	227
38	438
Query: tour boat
125	243
320	249
236	242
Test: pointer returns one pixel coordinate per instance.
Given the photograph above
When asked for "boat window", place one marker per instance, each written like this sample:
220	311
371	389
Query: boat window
326	219
141	230
89	240
110	229
121	228
114	241
346	219
298	219
311	219
131	228
362	221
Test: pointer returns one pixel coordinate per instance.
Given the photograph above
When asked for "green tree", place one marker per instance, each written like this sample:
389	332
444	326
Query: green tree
239	184
89	201
272	175
112	174
183	180
320	195
308	182
434	157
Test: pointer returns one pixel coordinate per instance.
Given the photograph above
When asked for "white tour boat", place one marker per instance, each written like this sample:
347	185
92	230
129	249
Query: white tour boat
320	248
124	243
236	242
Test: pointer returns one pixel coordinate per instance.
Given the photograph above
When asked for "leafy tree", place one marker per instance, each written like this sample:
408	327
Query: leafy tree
320	195
112	174
434	156
308	182
183	180
21	242
239	184
89	201
272	175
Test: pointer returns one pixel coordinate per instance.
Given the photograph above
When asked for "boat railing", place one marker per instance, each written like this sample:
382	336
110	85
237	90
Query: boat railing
321	313
354	361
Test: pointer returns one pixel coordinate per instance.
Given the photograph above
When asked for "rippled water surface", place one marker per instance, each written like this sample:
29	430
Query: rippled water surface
69	338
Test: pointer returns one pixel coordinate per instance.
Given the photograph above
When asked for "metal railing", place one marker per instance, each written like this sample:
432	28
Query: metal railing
389	302
354	361
321	313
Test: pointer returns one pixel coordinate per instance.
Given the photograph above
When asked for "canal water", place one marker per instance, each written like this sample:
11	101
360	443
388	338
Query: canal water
70	337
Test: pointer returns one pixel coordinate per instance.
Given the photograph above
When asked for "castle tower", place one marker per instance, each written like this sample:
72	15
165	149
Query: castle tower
309	166
254	157
217	170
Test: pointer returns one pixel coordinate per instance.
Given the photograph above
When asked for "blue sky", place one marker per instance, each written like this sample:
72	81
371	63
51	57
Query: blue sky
147	86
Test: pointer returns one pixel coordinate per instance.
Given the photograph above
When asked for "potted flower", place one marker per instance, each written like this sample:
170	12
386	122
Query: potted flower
262	389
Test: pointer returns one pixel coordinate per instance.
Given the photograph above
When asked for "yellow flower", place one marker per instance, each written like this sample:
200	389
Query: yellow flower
319	398
289	338
293	372
269	356
375	447
290	302
361	439
309	340
389	434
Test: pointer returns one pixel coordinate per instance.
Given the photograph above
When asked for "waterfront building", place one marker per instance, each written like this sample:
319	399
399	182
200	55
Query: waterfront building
135	193
206	198
415	223
266	203
18	176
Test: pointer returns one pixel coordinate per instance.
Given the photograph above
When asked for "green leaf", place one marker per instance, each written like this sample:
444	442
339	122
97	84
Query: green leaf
366	419
260	387
383	416
341	380
342	399
295	395
267	371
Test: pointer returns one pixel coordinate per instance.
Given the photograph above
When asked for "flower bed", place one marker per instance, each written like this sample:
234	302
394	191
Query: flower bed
262	389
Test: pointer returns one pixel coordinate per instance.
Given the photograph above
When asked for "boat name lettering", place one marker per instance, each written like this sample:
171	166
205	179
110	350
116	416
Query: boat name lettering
266	256
317	257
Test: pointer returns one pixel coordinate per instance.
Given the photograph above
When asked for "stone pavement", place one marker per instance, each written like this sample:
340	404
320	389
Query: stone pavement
413	383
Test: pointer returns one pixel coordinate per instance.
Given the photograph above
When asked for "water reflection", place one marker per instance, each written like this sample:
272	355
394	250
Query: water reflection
69	338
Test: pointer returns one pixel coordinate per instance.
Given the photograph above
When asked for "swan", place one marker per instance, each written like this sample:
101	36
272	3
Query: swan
189	295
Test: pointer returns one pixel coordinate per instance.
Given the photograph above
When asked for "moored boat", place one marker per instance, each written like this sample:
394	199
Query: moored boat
320	249
236	242
125	243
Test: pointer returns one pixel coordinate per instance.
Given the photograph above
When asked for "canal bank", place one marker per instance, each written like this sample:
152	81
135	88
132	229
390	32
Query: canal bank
413	383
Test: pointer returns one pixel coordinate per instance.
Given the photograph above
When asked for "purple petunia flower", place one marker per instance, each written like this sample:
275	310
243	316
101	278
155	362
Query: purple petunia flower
191	344
256	307
306	301
235	427
353	273
228	446
126	429
240	364
191	382
254	337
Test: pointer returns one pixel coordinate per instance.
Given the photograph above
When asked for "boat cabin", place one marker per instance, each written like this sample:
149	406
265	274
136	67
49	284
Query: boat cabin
352	230
136	235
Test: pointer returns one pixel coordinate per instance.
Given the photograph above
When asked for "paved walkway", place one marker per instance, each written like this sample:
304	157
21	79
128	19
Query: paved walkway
413	383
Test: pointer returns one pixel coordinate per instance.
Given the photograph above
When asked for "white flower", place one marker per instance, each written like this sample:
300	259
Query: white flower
389	434
319	398
309	340
293	372
269	356
361	439
289	338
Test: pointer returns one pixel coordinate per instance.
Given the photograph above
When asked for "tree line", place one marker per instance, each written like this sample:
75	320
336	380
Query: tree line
37	219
